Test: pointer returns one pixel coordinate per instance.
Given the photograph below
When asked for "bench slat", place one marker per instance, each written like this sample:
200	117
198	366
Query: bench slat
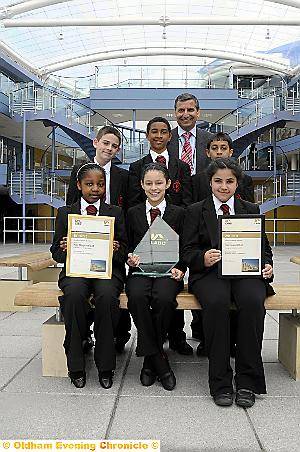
45	294
34	261
295	260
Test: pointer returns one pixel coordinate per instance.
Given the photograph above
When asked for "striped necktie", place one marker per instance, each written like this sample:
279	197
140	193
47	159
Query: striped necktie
225	209
187	151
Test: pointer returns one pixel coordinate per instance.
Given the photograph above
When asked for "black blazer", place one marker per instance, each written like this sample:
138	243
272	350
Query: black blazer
118	187
180	191
202	189
137	226
202	138
201	234
61	230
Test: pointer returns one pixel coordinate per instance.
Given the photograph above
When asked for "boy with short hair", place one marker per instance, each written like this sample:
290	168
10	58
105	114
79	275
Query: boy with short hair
220	145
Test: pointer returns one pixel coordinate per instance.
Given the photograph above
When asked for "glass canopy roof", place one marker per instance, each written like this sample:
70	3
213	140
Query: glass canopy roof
45	46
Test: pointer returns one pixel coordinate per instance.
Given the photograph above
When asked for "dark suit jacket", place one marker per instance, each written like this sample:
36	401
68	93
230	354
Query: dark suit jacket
61	230
118	186
180	191
201	234
137	226
201	187
202	138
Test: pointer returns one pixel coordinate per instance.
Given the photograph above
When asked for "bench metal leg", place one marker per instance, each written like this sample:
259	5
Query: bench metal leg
289	343
53	353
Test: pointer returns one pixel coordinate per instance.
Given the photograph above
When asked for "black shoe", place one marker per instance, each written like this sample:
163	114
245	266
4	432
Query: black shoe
147	377
201	350
182	347
245	398
106	378
87	344
168	380
120	343
223	399
78	379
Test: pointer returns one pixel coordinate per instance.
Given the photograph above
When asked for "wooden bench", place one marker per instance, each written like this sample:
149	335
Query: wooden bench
46	294
39	266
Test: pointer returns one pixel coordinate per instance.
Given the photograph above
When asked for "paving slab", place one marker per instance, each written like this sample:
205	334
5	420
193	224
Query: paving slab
42	314
55	416
9	367
279	382
183	424
191	380
270	351
17	326
31	380
5	315
276	422
271	329
19	346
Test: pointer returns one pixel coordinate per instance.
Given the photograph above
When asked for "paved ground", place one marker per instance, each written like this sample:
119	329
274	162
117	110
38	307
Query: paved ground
36	407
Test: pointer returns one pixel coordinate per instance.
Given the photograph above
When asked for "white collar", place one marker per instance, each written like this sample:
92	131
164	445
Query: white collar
161	206
84	204
181	131
218	204
164	154
105	167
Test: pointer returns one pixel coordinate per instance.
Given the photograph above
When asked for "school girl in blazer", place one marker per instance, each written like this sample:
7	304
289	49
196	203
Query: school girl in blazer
91	182
215	294
152	301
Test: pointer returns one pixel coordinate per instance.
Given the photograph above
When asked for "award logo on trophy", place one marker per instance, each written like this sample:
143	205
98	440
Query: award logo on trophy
158	250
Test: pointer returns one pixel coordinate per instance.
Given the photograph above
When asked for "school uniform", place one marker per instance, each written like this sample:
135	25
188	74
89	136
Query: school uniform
180	191
117	195
202	189
215	295
144	292
77	291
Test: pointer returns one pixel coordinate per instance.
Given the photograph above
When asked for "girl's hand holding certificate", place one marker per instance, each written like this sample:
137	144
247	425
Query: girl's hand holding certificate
267	271
211	257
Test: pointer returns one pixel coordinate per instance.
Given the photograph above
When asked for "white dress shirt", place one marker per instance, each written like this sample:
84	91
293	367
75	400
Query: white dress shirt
192	142
106	168
161	207
164	154
84	204
218	204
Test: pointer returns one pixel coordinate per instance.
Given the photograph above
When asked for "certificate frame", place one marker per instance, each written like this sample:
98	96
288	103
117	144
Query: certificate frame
90	239
233	248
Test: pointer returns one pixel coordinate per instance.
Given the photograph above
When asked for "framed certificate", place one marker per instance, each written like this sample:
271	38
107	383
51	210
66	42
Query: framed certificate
242	245
90	246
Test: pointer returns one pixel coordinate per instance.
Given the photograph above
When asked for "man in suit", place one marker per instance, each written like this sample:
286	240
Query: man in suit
189	142
107	144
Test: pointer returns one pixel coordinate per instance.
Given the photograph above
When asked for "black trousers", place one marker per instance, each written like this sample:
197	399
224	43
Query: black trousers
107	313
215	297
151	302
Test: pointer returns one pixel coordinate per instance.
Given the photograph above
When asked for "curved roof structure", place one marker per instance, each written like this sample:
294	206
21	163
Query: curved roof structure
70	37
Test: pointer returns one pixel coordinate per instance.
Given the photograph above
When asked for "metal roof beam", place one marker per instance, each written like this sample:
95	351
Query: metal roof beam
223	54
163	21
19	8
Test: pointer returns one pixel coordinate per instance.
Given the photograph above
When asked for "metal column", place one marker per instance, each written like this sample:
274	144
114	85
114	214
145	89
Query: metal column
24	179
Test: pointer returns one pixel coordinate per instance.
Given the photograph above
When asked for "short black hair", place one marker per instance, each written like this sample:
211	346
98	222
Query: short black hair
155	166
220	136
158	119
109	129
84	169
223	163
184	97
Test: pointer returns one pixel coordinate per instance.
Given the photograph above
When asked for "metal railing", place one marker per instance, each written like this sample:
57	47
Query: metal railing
286	184
274	234
32	228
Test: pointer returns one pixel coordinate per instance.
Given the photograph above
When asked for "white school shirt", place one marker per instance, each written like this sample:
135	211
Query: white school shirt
84	204
218	204
161	207
106	168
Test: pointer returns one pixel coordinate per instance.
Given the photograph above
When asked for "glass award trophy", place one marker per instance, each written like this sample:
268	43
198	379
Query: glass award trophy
158	250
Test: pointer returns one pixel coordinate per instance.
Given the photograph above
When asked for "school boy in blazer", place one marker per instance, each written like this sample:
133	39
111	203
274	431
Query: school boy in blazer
107	144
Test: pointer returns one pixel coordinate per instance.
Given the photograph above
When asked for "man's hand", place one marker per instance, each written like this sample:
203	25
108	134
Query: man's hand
211	257
116	245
